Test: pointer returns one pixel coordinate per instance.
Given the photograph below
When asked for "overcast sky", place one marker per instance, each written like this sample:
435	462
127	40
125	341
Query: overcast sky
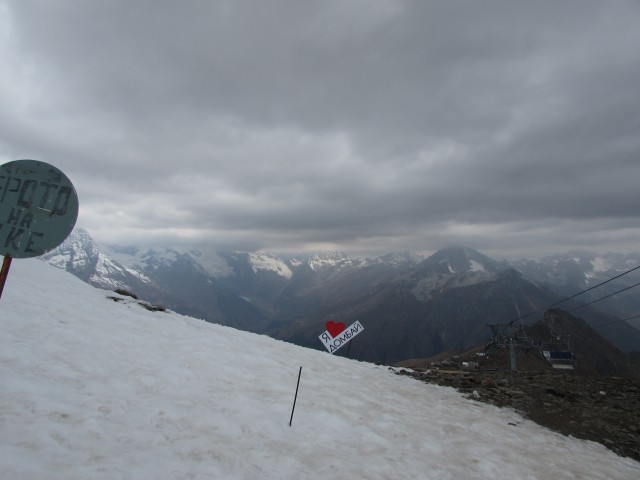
365	126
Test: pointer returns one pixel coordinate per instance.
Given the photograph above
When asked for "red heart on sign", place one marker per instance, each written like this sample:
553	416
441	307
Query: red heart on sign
335	329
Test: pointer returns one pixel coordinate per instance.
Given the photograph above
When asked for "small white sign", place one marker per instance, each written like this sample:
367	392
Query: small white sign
333	344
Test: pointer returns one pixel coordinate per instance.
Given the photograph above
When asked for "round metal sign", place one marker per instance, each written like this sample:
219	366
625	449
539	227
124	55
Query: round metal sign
38	208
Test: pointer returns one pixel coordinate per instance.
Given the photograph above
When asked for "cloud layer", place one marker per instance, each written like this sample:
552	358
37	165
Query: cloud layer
364	126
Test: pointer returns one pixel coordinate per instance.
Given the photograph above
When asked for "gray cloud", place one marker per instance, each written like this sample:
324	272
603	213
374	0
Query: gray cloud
366	126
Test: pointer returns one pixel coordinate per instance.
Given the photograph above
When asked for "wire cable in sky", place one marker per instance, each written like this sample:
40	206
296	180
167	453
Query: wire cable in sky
606	296
585	291
595	286
616	321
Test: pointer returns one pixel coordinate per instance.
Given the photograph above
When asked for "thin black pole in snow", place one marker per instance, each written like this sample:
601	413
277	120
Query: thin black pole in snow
296	397
349	349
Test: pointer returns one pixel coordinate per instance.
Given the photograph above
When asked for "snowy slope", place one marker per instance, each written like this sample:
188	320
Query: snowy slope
269	263
451	268
148	260
80	255
336	260
97	389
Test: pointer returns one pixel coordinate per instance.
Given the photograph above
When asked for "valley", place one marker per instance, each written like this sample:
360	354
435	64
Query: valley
410	307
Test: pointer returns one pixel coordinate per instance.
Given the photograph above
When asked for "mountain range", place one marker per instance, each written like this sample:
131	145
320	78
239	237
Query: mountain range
410	307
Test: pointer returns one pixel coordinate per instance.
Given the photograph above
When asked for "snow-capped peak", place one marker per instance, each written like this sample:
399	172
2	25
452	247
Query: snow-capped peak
265	261
80	255
601	264
453	267
153	258
460	260
78	249
331	258
396	258
476	266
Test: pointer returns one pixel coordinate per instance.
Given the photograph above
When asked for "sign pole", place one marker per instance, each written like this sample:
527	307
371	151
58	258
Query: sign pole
6	264
349	349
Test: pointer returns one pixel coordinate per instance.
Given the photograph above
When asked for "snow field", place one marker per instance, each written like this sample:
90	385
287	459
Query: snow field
97	389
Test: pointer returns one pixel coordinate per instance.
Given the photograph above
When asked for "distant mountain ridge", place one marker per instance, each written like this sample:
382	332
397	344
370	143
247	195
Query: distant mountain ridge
410	306
578	270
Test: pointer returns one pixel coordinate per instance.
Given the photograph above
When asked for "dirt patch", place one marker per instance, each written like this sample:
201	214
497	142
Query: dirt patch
601	409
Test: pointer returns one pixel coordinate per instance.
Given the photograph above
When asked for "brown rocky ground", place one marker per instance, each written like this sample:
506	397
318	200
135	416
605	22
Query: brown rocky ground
602	409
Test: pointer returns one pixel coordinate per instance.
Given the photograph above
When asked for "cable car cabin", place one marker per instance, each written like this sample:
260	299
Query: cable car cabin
562	360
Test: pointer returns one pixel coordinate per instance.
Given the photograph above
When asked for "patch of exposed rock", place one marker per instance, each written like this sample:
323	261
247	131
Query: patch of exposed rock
602	409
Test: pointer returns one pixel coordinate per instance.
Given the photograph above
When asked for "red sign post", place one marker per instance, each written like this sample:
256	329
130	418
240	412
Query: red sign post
6	264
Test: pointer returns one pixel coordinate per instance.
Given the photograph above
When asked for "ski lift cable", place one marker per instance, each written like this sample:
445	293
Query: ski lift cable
584	291
606	296
616	321
595	286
